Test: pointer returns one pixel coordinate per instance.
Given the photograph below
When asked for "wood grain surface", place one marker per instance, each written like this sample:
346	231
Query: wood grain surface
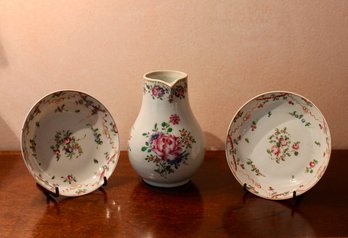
212	205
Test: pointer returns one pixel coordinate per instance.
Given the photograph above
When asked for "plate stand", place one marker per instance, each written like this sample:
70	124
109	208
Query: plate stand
295	198
52	196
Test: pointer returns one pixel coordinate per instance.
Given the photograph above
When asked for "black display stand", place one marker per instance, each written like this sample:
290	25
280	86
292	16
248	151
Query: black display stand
52	196
294	201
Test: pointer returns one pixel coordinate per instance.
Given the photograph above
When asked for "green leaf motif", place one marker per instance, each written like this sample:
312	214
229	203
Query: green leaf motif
143	148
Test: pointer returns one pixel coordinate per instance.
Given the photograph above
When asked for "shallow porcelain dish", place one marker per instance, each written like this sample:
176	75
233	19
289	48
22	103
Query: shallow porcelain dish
70	141
278	143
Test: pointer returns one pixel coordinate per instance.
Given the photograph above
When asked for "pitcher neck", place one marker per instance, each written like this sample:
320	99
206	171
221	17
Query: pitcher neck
162	92
166	86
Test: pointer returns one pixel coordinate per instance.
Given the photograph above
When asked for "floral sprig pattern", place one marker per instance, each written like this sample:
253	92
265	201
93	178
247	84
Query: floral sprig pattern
90	104
264	99
160	91
165	149
69	179
33	147
156	91
96	135
311	165
300	117
254	168
281	145
66	143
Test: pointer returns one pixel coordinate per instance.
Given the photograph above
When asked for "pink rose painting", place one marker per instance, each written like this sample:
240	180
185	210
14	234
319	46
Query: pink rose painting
168	151
275	150
157	91
166	146
296	146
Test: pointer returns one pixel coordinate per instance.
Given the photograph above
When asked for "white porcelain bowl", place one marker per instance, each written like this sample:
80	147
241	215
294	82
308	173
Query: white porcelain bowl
70	141
278	145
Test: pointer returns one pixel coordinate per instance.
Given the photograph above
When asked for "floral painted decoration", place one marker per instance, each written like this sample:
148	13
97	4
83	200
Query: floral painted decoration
281	145
66	144
161	91
69	179
166	150
311	165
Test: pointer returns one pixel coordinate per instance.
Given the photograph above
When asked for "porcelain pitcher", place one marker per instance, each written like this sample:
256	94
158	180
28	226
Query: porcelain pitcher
166	144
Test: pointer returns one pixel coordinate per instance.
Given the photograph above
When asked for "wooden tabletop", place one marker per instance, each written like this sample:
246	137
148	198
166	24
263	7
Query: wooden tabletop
212	205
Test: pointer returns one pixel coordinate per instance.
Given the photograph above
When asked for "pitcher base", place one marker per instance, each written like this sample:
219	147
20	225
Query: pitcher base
166	185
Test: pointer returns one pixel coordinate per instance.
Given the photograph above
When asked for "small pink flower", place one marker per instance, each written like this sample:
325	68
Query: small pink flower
291	102
179	91
70	177
295	146
311	164
67	140
275	150
174	119
157	91
56	151
282	141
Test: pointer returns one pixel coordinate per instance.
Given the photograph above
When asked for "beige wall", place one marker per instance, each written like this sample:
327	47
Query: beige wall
232	50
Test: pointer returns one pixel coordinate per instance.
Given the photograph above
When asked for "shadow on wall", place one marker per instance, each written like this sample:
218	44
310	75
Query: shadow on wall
3	59
212	142
8	138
